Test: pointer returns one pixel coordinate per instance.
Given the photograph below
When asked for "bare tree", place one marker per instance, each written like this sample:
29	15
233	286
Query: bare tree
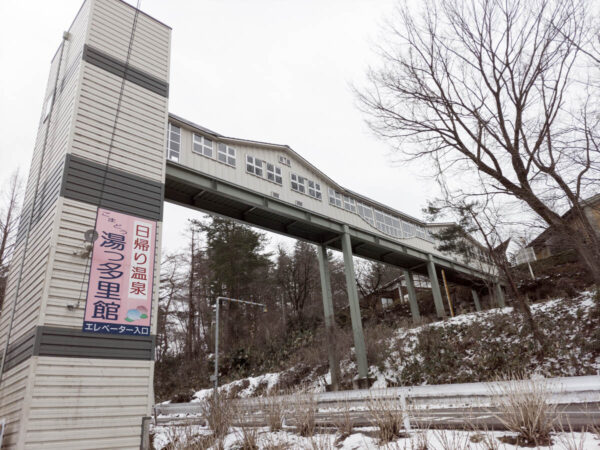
9	219
297	275
500	95
169	292
484	220
372	276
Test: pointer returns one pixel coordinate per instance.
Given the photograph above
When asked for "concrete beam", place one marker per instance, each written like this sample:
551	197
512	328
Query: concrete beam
412	296
435	288
334	365
357	329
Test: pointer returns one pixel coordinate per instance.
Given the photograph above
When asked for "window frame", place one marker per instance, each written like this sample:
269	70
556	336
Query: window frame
255	166
229	153
202	145
275	172
170	150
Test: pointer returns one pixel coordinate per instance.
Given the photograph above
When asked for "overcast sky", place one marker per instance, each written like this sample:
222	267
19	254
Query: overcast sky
269	70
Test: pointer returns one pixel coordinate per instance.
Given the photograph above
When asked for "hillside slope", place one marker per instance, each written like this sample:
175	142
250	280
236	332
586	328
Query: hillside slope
472	347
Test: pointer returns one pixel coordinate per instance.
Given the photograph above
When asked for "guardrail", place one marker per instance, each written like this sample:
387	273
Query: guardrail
566	390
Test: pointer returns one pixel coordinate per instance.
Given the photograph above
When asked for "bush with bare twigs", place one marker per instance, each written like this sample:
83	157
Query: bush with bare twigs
321	442
569	440
186	438
247	438
523	408
219	413
274	412
304	411
452	440
388	417
344	421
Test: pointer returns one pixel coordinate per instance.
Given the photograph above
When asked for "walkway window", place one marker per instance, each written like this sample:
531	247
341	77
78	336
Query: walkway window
384	222
306	186
226	154
174	143
366	212
298	183
274	174
202	146
335	198
349	204
254	166
314	189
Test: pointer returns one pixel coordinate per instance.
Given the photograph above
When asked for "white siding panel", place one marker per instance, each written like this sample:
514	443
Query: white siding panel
139	133
111	33
88	403
13	388
69	277
32	281
78	31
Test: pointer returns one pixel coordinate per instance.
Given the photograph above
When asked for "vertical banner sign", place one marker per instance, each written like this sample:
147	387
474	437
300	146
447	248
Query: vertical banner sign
119	296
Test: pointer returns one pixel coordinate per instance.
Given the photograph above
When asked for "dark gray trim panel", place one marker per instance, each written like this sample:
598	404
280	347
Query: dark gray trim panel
66	342
55	341
84	180
120	69
20	350
47	194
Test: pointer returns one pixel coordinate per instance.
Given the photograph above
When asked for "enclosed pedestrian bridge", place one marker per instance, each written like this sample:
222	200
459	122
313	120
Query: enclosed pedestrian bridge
78	324
272	187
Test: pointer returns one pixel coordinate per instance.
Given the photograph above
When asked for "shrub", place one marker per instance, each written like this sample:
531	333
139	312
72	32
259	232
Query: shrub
274	412
344	422
219	413
388	417
523	408
304	412
248	438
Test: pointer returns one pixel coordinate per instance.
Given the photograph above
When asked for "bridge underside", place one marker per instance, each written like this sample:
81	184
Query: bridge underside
193	189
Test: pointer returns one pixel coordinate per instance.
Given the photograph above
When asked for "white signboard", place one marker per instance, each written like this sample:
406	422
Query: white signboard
526	255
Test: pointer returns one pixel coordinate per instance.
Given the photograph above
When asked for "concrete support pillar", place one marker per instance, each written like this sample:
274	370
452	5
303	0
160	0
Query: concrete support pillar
334	366
476	300
435	288
412	296
357	330
499	294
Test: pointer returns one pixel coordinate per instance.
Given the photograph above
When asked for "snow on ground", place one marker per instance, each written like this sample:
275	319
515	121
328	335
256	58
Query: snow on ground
263	384
244	388
365	438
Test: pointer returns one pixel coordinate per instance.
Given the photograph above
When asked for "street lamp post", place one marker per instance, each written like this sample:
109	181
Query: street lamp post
216	374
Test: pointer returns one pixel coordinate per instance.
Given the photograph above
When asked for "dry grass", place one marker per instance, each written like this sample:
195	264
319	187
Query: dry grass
344	422
524	408
595	430
482	435
274	412
219	414
388	417
247	438
184	438
451	440
304	412
321	442
569	439
270	442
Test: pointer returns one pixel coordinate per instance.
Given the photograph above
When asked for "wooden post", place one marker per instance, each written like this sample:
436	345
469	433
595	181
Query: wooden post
447	293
